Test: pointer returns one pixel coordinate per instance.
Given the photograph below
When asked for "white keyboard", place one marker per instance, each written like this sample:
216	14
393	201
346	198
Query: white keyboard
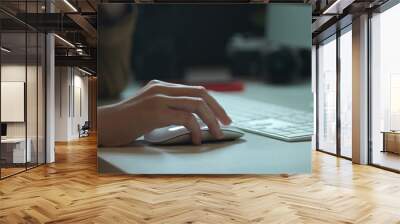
267	119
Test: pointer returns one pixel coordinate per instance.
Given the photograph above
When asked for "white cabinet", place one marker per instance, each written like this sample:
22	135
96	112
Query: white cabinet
13	150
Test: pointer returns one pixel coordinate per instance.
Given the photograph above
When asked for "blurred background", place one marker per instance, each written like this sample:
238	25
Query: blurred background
219	46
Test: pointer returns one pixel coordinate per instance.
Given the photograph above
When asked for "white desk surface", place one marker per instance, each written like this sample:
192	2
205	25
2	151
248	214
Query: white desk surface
253	154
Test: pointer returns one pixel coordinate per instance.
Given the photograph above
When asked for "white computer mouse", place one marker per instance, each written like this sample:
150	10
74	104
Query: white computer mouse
176	135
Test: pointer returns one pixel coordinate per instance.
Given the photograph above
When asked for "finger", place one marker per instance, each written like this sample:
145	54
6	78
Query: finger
159	82
154	87
199	107
192	91
186	119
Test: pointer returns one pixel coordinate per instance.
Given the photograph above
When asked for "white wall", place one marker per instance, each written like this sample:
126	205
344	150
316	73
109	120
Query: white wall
62	81
83	83
16	73
71	93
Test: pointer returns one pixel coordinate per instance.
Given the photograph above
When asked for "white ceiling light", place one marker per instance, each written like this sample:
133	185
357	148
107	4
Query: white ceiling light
79	51
5	50
84	71
65	41
337	7
70	5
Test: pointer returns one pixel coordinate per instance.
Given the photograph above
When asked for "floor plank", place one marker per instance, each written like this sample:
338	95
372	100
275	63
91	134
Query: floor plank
71	191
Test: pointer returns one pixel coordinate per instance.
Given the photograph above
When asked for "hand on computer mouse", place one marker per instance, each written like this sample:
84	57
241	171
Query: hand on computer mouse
159	104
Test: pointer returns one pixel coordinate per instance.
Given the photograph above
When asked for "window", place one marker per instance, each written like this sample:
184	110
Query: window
346	92
385	89
327	95
335	94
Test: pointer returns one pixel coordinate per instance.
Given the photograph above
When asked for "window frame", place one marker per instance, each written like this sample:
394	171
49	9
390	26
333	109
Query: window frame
346	27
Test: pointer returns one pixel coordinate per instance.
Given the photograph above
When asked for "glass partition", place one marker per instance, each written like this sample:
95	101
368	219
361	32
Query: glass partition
23	91
15	151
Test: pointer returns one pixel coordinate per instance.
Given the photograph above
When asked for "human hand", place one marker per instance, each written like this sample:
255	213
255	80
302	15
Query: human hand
159	104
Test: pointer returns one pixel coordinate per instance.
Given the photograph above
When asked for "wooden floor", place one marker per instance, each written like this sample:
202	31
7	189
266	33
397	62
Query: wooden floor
5	172
71	191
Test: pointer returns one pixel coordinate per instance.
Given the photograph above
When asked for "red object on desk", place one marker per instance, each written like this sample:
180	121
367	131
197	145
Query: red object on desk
231	86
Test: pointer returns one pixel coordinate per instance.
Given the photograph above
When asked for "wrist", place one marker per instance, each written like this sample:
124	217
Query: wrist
115	125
